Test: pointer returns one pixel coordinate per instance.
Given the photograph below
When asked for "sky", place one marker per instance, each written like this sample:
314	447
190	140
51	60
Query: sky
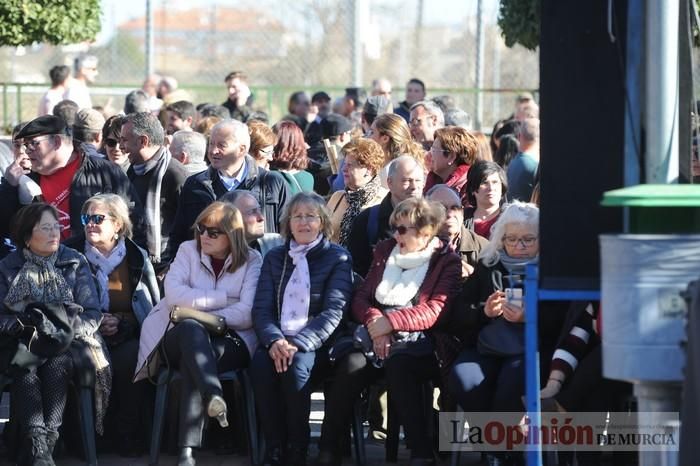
436	12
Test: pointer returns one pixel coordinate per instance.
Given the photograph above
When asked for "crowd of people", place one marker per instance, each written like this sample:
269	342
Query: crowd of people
353	242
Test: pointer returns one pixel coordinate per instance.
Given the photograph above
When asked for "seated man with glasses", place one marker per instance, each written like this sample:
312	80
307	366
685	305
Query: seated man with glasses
67	177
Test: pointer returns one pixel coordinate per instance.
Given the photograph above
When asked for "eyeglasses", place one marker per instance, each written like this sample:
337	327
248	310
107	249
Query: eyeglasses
308	218
34	143
111	142
513	241
96	219
435	150
256	211
47	228
211	232
401	229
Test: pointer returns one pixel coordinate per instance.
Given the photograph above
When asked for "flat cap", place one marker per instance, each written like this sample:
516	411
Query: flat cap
88	119
335	125
47	124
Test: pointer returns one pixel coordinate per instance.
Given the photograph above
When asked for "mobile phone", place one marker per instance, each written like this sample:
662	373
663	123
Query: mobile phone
514	296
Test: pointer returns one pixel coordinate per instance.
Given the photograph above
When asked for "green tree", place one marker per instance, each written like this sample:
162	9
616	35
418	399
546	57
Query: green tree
519	21
56	22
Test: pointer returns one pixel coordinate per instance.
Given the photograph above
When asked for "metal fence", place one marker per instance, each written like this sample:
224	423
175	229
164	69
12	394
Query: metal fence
288	46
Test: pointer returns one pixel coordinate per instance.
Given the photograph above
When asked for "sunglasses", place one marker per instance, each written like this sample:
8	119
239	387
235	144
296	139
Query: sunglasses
401	229
97	219
212	232
111	142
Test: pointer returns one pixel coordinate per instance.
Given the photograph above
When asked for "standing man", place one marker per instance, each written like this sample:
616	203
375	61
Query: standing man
240	99
59	76
158	180
67	177
415	92
180	116
85	67
87	131
381	86
522	170
426	118
231	168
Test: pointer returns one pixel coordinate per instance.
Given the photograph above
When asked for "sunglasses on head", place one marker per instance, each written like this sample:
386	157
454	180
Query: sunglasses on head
400	229
97	219
212	232
111	142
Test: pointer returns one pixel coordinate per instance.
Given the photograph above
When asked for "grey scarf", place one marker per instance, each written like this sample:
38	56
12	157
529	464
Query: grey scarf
159	163
38	281
357	200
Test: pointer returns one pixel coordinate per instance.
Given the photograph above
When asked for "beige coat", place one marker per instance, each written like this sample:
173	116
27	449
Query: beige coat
338	204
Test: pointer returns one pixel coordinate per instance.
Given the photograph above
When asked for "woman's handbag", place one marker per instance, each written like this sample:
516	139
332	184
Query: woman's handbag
502	339
215	324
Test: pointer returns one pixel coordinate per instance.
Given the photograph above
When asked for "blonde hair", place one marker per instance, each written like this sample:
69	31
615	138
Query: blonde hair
421	213
312	200
115	207
400	140
521	213
229	220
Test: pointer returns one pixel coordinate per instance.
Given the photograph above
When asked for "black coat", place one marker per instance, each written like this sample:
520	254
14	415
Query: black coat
330	269
205	187
359	244
94	175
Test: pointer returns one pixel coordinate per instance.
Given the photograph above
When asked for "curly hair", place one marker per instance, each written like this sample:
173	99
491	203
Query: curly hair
290	149
368	153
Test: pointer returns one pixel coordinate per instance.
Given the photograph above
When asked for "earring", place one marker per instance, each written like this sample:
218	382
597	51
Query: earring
116	237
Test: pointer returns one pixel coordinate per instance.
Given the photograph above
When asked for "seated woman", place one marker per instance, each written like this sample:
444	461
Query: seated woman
216	273
488	374
303	292
412	277
110	145
45	274
128	290
487	186
392	133
363	160
453	152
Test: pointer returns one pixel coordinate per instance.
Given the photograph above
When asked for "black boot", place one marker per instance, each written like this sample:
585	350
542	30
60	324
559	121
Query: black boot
273	456
186	457
35	452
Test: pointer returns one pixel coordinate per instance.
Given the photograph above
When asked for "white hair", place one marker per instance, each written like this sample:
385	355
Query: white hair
431	108
394	164
239	130
521	213
195	144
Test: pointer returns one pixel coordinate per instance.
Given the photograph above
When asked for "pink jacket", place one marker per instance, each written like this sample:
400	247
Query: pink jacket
190	282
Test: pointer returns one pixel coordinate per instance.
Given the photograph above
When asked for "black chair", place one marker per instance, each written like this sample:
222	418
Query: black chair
244	399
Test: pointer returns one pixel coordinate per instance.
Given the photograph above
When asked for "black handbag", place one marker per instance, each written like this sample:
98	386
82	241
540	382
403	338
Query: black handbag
502	339
215	324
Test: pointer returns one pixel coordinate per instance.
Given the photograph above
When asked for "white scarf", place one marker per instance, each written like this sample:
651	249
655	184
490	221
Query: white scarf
404	274
103	266
295	304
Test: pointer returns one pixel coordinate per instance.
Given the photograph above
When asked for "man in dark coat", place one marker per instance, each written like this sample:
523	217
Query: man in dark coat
231	168
66	176
240	99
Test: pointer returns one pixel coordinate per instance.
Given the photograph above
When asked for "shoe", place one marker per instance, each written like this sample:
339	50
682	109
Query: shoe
186	457
35	452
296	455
377	435
217	408
273	457
328	458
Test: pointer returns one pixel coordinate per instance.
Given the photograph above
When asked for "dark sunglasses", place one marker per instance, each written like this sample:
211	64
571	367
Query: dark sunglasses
97	219
212	232
401	229
111	142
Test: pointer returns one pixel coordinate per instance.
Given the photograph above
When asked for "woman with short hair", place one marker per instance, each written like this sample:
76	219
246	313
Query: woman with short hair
44	278
214	273
110	145
453	152
304	290
487	186
363	160
128	290
289	158
262	142
412	278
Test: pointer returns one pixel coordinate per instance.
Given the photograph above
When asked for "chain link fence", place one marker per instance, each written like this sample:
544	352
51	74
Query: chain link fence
285	47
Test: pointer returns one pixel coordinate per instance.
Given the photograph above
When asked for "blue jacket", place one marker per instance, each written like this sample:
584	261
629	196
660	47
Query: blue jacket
330	268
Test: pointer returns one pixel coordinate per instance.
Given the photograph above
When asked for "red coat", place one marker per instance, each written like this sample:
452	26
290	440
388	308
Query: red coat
441	284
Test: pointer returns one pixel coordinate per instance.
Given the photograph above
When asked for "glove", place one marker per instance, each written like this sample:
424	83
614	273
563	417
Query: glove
10	325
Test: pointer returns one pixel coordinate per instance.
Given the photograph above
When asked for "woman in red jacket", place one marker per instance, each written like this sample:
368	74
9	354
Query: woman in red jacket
412	277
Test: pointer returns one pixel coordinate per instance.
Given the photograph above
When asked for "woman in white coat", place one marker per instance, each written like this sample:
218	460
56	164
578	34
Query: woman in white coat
218	273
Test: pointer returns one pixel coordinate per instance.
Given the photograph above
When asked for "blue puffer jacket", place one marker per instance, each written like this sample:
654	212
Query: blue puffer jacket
330	268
